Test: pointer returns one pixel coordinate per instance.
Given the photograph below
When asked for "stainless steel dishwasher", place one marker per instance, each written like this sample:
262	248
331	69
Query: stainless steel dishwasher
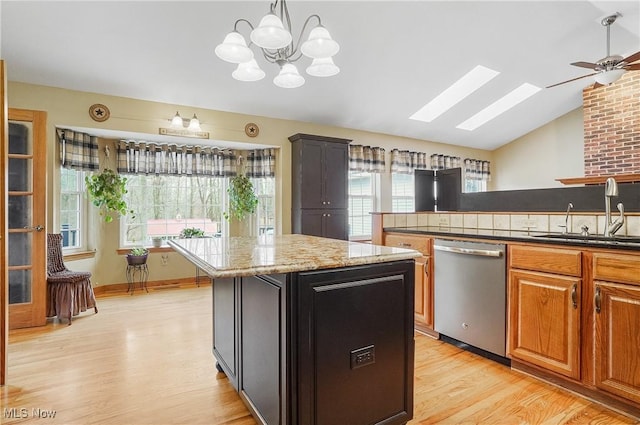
470	293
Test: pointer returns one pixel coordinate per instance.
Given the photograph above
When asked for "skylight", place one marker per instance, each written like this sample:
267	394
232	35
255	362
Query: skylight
501	105
462	88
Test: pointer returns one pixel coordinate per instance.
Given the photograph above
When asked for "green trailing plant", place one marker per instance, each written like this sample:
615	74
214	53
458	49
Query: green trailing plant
106	190
138	251
242	199
191	232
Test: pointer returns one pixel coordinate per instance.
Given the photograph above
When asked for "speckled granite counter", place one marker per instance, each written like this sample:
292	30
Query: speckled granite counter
248	256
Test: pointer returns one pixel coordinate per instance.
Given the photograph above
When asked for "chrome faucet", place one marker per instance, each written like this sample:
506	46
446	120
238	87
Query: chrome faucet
610	191
566	219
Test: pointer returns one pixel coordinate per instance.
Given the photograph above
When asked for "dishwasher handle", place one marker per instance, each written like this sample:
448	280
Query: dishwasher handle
470	251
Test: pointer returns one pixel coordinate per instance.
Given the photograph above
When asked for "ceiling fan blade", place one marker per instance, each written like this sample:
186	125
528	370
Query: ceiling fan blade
634	67
573	79
634	57
585	65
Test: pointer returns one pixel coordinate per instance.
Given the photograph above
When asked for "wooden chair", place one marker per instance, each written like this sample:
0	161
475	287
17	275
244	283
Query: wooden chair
68	292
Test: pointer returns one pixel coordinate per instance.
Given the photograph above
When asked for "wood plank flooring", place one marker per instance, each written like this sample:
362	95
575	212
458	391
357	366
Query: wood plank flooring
146	359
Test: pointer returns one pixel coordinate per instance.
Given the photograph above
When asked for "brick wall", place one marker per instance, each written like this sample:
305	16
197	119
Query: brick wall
612	127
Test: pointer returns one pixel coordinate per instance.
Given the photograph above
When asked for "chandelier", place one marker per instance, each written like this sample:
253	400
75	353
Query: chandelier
277	46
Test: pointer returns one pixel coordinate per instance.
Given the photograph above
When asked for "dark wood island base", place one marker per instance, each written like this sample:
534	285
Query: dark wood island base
320	347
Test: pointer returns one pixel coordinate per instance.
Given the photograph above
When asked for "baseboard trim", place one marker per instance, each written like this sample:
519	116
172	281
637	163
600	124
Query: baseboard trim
121	288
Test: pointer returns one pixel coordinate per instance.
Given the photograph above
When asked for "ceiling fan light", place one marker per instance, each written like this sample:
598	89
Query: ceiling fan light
248	71
323	67
608	77
319	44
288	78
270	34
234	49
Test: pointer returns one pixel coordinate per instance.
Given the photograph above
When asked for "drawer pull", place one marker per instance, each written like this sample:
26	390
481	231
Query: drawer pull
574	295
404	244
598	299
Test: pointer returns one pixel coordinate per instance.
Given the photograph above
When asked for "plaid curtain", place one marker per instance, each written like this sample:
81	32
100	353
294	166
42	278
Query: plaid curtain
78	151
444	162
476	169
153	158
261	163
405	162
367	159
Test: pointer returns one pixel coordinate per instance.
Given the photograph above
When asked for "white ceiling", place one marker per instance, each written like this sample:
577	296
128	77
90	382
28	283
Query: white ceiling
395	56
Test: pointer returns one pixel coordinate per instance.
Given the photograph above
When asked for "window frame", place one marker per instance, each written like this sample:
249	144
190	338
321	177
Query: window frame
404	197
374	196
82	211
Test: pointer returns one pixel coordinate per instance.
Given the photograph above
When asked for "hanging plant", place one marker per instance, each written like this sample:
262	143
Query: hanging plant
106	190
242	199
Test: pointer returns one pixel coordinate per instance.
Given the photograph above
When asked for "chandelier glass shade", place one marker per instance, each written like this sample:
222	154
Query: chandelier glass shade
274	40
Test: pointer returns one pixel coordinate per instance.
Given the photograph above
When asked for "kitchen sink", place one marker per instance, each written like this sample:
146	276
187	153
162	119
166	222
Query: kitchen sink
591	238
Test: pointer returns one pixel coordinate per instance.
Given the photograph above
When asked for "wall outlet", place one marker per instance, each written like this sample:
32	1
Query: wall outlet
530	223
443	220
165	259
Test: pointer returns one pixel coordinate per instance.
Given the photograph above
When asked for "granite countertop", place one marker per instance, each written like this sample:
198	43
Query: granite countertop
269	254
530	236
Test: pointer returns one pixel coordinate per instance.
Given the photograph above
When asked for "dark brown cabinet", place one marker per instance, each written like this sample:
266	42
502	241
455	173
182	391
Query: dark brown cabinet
332	346
319	196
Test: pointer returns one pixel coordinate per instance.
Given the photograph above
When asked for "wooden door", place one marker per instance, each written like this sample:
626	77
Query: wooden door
27	218
4	278
617	339
545	321
423	294
335	171
335	224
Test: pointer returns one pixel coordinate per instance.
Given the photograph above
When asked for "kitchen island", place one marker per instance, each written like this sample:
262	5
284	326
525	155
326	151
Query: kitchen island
312	330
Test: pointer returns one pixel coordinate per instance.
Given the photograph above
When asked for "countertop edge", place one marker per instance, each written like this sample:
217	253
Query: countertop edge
530	238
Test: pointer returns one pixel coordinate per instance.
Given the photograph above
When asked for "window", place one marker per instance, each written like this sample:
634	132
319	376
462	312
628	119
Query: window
402	193
264	188
72	208
361	204
471	186
164	205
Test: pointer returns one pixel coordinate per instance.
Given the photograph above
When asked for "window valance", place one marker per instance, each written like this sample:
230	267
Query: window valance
78	151
444	162
405	162
366	159
153	158
261	163
476	169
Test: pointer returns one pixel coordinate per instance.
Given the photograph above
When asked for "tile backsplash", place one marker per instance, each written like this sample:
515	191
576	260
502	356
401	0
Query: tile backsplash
535	222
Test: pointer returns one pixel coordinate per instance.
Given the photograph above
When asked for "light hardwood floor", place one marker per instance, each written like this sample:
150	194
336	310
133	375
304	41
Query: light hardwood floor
146	359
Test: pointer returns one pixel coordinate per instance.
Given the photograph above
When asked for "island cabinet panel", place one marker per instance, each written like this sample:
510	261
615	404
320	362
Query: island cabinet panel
319	185
225	327
324	347
261	336
545	321
355	342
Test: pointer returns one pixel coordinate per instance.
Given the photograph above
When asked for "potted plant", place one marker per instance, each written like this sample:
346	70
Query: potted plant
106	190
137	256
191	232
157	241
242	199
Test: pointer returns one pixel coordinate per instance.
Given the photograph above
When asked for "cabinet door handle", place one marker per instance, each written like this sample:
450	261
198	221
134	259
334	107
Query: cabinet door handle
328	202
598	299
328	215
426	267
574	295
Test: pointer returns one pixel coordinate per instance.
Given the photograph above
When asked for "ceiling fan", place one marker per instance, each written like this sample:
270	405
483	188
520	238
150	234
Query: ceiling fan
610	68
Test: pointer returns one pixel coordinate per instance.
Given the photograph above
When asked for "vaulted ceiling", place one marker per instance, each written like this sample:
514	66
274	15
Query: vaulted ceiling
395	56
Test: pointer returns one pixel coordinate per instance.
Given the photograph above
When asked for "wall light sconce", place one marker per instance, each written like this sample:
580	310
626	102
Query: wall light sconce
184	127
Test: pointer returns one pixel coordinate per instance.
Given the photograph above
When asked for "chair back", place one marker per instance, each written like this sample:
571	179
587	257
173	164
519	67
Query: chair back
55	264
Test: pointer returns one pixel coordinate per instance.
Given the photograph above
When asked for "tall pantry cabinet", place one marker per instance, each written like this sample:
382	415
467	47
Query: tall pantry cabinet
319	192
